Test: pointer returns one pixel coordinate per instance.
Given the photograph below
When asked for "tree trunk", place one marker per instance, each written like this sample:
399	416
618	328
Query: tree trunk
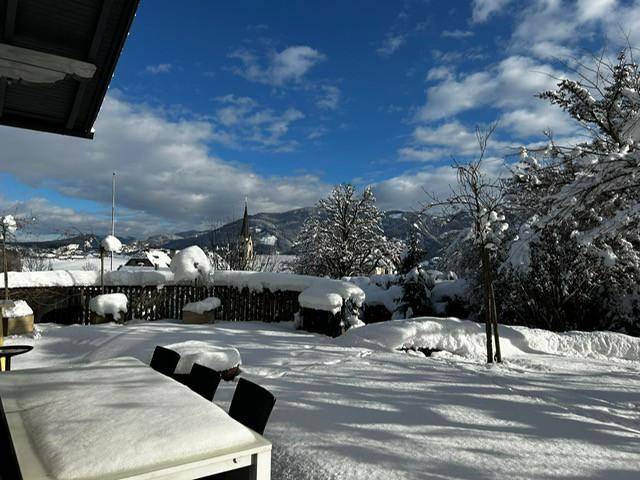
486	287
494	315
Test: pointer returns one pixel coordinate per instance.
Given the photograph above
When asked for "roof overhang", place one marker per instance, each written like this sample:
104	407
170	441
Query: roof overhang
57	58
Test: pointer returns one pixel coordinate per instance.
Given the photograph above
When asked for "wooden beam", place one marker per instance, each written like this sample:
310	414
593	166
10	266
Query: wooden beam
3	92
99	32
75	109
91	57
10	19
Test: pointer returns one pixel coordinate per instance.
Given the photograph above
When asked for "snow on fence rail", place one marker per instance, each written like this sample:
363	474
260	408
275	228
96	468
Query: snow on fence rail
322	304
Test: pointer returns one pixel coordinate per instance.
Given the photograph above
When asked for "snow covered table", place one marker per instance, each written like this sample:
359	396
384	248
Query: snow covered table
121	419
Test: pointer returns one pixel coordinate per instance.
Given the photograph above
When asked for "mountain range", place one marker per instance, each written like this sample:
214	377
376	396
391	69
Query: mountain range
272	232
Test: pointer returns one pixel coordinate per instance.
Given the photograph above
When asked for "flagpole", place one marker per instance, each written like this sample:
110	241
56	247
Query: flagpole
113	210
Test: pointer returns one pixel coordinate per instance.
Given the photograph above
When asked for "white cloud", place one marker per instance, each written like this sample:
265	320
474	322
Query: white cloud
242	123
165	168
457	33
159	68
532	121
279	68
411	190
391	44
442	142
512	82
329	98
483	9
439	73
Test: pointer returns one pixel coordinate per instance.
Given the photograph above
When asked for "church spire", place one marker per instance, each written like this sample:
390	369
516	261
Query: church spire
245	232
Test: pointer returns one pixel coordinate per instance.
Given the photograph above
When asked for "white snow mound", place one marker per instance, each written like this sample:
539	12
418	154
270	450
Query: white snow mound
467	339
190	264
202	306
20	308
111	244
109	304
203	353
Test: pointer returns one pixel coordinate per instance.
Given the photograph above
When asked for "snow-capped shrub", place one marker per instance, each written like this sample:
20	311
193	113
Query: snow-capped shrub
190	264
113	304
111	244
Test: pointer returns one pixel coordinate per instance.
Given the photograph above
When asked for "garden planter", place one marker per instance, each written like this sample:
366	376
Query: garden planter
197	318
17	318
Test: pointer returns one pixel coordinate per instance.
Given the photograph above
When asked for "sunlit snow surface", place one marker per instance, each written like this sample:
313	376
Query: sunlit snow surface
354	412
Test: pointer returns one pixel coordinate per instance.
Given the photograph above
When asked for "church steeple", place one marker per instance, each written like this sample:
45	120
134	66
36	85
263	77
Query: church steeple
245	242
245	232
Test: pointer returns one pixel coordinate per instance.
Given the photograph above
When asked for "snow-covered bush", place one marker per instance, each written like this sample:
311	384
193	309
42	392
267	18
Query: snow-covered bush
432	292
191	264
114	304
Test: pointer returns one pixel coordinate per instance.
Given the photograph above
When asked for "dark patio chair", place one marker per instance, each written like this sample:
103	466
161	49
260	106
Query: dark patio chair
164	361
251	405
203	380
9	468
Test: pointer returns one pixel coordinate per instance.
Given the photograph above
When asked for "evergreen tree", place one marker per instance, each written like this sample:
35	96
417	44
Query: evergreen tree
344	237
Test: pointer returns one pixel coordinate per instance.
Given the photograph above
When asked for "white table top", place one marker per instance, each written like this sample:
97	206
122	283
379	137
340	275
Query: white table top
114	418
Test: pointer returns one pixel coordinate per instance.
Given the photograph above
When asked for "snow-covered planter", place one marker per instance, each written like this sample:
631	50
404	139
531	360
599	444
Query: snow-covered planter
200	312
17	317
110	307
226	361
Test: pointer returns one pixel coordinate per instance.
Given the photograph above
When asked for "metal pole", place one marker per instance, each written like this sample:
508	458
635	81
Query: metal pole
113	211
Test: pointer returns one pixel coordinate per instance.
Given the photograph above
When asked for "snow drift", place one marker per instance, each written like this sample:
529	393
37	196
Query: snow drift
467	339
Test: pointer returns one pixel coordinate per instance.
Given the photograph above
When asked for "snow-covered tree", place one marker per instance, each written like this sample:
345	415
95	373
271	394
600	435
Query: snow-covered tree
414	253
588	193
344	237
481	198
8	227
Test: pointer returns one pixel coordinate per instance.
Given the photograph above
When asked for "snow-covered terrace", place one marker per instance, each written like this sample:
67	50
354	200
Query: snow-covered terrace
562	406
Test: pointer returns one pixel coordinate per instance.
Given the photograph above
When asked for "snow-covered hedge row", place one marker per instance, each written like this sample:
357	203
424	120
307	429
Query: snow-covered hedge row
317	293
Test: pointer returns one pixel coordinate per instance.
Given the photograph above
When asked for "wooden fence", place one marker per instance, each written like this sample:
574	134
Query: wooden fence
70	305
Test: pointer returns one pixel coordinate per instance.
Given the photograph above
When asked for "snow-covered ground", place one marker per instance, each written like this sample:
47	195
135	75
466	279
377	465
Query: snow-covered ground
355	408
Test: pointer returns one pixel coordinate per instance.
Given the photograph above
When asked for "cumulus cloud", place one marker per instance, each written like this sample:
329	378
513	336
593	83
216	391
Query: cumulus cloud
410	190
279	68
512	82
243	123
165	168
447	140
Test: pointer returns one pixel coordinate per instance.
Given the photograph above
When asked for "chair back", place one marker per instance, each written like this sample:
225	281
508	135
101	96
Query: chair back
164	360
251	405
9	467
203	380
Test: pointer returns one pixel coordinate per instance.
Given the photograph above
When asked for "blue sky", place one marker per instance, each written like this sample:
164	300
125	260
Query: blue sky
277	101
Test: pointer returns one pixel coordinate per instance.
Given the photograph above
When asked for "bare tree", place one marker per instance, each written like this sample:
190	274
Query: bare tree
481	198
